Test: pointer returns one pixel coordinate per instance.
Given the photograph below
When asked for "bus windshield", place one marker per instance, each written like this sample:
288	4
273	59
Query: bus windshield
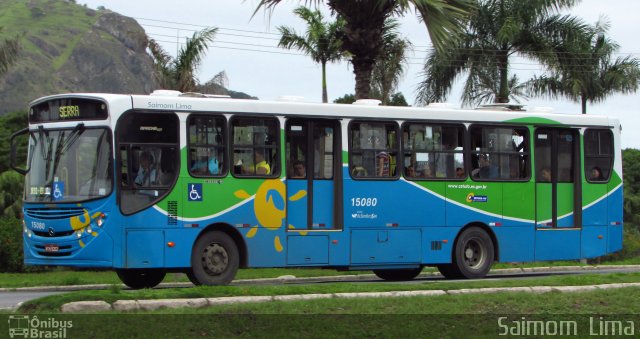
69	165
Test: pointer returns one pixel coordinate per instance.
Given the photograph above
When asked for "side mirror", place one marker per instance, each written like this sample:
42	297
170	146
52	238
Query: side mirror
19	145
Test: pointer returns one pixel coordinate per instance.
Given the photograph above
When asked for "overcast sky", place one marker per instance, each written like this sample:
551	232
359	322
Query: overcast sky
244	49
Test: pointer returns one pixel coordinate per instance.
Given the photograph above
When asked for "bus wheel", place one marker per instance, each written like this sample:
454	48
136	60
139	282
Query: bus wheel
449	271
214	260
401	274
473	254
141	278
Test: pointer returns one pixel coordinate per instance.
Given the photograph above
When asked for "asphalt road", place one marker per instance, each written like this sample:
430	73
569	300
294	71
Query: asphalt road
11	300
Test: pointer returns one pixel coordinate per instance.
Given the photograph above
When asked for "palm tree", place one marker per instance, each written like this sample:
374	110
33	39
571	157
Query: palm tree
390	66
588	74
9	49
364	22
180	73
321	40
496	31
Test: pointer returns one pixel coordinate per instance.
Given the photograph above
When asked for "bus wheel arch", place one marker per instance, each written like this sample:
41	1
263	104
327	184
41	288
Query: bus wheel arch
474	252
216	255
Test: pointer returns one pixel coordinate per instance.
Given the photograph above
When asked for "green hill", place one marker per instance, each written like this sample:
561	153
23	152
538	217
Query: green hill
70	48
67	47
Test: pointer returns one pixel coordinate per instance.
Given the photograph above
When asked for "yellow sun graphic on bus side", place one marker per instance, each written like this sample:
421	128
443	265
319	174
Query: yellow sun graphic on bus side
268	214
78	223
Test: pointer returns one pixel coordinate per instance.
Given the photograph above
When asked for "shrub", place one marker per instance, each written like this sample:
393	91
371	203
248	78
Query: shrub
630	245
11	257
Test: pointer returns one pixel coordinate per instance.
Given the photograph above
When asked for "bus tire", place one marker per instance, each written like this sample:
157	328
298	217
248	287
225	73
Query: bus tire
473	254
141	278
448	271
214	259
401	274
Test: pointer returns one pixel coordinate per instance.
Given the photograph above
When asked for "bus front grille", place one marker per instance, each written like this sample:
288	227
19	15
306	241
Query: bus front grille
54	213
54	235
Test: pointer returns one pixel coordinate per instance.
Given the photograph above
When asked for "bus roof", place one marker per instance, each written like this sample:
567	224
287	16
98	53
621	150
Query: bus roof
297	108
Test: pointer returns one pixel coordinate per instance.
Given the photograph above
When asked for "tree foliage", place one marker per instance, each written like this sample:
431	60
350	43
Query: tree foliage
586	71
390	66
631	171
496	31
11	191
179	73
9	124
364	22
321	41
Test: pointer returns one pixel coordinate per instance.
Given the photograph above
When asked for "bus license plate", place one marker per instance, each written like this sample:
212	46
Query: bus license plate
51	248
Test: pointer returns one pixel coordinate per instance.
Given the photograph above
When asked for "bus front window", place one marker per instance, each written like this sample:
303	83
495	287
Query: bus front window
69	165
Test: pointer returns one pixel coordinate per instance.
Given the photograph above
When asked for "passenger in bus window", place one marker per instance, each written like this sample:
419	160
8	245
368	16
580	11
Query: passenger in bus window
545	174
146	175
459	172
485	169
382	164
427	171
410	172
596	174
207	165
299	170
261	167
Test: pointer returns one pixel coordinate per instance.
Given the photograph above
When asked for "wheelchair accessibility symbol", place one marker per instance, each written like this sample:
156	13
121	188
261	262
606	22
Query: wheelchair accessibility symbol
195	192
58	190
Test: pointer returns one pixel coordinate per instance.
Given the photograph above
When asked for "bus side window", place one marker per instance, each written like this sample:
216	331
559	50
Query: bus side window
206	135
598	155
374	149
255	147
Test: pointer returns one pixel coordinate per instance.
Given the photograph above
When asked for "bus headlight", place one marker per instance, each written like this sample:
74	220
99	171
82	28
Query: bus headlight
89	229
78	233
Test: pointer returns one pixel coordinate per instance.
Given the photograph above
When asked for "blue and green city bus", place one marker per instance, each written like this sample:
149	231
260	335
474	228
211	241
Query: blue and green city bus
172	182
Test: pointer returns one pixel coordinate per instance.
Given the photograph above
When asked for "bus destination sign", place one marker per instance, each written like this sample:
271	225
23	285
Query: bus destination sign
68	109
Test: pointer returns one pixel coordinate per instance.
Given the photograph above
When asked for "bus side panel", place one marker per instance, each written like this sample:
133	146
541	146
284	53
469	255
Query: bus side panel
474	202
515	243
145	249
557	244
383	204
615	223
594	241
594	196
437	244
373	247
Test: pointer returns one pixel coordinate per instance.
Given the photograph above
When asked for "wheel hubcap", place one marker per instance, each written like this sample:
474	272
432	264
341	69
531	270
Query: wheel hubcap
215	259
474	254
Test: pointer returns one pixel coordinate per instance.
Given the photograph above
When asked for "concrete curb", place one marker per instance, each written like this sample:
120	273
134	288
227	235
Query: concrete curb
293	279
151	305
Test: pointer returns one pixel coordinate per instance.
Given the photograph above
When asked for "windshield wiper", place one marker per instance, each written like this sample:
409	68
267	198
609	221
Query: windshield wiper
42	135
64	145
73	136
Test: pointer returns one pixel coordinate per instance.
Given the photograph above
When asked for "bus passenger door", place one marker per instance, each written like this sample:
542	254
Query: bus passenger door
312	165
558	194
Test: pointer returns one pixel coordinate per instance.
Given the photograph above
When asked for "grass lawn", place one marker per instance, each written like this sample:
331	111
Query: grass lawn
485	316
53	303
66	277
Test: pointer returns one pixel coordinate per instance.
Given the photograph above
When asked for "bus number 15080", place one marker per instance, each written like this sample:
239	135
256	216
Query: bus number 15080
368	202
